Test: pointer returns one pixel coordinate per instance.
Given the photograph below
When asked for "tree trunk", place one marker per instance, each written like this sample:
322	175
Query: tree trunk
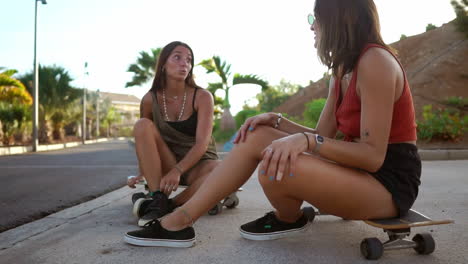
227	121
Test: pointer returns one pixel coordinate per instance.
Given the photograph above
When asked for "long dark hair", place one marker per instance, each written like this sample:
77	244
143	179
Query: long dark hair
160	77
346	27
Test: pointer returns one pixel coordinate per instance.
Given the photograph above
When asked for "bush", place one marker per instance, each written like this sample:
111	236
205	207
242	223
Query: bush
461	21
312	112
430	27
244	114
442	124
221	136
403	36
457	101
13	118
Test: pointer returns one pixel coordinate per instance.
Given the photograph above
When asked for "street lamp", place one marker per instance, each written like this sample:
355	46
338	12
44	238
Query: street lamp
97	114
84	105
36	82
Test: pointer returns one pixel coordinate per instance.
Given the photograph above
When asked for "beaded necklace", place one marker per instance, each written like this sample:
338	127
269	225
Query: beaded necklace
165	107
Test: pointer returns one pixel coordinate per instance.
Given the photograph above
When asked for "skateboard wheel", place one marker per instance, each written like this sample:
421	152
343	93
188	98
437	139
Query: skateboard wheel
372	248
216	209
309	212
425	244
231	201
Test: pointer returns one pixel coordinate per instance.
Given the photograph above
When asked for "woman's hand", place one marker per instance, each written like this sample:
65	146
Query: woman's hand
170	182
279	152
250	123
132	180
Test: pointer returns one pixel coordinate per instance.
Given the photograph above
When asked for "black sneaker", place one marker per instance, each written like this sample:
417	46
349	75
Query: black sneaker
154	235
137	196
269	227
140	205
158	206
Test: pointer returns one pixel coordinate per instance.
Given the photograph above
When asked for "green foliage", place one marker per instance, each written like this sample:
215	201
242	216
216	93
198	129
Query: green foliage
403	36
55	95
13	90
457	101
244	114
276	95
12	116
442	124
219	135
430	27
144	68
461	21
312	112
216	65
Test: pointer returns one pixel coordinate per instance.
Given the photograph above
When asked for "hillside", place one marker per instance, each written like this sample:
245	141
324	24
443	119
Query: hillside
436	63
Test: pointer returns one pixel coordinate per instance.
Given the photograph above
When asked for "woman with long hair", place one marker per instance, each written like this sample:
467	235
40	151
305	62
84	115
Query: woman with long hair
373	173
173	138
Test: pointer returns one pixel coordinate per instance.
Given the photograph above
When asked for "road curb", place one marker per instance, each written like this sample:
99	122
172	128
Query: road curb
425	154
443	154
4	151
18	234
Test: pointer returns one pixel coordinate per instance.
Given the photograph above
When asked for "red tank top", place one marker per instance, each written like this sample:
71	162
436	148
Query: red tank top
348	113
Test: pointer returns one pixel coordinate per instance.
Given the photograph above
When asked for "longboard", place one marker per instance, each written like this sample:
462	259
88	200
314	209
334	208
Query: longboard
398	229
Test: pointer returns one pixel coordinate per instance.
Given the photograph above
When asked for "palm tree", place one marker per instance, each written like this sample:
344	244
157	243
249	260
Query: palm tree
222	69
14	106
144	67
13	90
55	96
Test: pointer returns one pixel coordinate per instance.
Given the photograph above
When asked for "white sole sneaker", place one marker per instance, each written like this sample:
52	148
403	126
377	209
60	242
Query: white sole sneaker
272	236
148	242
137	205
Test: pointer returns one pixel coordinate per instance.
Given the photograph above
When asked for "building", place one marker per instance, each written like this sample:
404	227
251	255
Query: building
128	106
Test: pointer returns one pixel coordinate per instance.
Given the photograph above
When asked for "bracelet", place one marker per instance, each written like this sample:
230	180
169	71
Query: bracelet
177	167
278	120
308	143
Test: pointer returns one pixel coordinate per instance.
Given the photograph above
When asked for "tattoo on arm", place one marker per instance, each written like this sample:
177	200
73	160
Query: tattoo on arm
365	134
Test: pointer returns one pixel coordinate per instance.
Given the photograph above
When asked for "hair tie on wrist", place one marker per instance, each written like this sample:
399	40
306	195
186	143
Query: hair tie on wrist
177	167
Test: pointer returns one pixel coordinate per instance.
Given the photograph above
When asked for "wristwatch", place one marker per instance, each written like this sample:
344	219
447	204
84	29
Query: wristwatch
318	143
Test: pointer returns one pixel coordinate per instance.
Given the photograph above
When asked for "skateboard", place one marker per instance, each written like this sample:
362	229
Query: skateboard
397	230
230	202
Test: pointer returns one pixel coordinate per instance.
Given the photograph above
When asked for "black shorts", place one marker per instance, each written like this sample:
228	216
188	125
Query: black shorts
400	174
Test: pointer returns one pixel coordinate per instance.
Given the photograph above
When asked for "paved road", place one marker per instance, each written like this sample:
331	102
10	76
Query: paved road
38	184
92	232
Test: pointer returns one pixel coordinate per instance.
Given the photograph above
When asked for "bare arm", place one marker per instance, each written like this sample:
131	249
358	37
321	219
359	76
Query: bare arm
378	73
205	108
326	126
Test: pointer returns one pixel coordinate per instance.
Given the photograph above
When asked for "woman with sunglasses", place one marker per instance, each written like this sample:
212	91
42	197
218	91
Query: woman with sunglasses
173	139
374	172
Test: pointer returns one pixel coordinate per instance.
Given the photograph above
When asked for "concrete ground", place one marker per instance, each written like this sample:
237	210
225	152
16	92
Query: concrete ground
93	232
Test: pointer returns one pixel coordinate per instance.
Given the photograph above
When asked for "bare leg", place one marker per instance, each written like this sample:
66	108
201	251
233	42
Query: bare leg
196	178
154	157
226	178
342	191
338	190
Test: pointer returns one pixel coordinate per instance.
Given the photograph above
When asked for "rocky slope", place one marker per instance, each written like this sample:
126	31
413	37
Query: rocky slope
436	63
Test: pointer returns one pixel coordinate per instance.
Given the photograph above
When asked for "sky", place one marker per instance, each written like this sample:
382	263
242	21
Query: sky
269	38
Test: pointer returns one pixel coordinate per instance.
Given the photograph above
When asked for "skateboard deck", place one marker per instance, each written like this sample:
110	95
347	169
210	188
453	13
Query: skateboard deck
412	219
398	229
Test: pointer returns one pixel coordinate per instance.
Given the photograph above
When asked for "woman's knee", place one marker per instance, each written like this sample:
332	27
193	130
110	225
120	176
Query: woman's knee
267	182
142	126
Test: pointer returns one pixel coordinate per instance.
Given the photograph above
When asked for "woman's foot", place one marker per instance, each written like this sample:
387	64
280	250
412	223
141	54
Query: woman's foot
269	227
153	207
154	235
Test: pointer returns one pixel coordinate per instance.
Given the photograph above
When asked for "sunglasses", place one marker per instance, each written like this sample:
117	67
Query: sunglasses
311	19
